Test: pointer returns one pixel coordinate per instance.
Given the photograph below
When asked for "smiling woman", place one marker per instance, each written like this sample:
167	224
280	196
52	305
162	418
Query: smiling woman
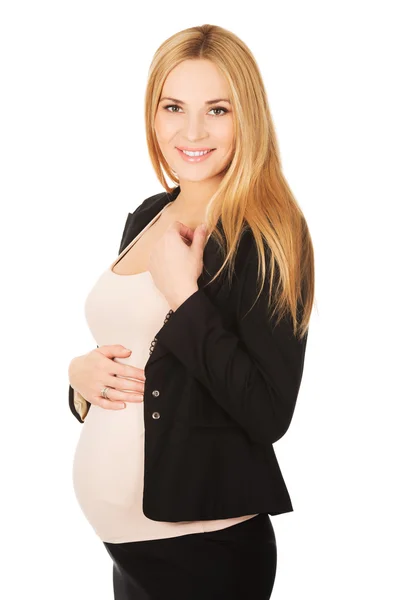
199	121
180	486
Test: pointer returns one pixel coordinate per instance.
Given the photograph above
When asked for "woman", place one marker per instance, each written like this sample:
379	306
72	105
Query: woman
196	375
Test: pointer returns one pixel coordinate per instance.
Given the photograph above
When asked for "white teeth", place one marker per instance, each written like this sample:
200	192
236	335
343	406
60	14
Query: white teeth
195	153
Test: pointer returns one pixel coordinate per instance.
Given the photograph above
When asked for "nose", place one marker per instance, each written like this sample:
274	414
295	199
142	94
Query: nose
195	127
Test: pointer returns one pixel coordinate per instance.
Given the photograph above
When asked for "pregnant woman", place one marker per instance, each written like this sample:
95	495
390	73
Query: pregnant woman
200	355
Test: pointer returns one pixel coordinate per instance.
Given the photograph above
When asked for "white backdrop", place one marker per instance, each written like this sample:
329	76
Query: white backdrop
74	162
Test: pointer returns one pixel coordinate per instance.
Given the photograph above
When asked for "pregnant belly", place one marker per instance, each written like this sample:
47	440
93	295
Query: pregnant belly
109	462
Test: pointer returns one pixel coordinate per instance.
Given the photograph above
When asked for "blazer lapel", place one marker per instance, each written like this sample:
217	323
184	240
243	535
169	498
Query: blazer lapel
138	220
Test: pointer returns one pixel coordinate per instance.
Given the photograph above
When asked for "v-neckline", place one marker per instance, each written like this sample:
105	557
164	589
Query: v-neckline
132	243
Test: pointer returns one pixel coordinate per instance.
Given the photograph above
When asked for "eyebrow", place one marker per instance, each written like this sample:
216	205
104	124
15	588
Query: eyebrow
207	102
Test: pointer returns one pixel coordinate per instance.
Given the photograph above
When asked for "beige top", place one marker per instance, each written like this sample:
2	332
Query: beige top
108	464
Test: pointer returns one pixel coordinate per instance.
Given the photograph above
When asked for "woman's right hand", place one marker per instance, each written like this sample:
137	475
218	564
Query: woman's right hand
90	373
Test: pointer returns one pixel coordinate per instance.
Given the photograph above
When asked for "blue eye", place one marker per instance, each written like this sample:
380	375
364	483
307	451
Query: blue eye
221	108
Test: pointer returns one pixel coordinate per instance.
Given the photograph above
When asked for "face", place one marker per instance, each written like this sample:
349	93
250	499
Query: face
187	120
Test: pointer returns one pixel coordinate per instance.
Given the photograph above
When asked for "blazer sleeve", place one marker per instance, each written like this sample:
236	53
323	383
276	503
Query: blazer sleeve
78	404
254	373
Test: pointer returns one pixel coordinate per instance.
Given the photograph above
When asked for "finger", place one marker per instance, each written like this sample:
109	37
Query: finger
126	384
130	371
184	230
189	235
112	350
180	227
117	396
187	241
108	404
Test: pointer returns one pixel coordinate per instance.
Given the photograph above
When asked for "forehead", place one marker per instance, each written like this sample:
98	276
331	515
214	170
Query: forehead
196	79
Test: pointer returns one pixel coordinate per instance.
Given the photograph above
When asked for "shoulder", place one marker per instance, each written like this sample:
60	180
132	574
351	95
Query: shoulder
153	201
137	219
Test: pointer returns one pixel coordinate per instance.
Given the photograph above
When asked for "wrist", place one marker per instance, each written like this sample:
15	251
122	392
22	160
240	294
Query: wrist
180	298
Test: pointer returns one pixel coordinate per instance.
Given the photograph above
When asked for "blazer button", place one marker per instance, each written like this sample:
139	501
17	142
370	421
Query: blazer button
156	415
155	393
152	345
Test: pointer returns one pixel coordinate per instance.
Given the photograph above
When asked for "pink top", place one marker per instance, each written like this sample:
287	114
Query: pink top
108	464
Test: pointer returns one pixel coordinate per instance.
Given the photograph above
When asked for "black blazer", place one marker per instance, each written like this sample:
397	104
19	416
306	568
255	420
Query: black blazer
220	390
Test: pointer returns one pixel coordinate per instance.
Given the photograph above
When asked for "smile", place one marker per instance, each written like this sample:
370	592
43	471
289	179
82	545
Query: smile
195	156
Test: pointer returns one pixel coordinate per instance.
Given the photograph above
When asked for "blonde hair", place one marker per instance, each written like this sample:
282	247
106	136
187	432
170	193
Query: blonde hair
253	189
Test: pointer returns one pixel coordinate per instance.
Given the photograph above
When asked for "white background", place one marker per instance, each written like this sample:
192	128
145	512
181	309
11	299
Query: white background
74	162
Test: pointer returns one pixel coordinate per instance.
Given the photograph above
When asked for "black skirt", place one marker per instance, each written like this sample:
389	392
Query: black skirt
235	563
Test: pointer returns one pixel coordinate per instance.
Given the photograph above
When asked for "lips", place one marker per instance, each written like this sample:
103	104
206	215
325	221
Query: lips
195	159
194	149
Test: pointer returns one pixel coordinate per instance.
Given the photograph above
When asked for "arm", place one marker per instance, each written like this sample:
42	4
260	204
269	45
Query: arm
255	375
78	404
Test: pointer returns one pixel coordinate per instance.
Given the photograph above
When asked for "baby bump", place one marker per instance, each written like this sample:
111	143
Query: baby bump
108	461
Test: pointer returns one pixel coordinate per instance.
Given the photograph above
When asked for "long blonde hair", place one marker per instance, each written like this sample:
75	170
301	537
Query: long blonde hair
253	189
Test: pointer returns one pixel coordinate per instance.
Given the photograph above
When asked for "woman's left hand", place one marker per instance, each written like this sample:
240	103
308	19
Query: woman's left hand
176	262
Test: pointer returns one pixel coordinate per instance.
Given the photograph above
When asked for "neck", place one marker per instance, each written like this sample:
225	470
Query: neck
194	196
